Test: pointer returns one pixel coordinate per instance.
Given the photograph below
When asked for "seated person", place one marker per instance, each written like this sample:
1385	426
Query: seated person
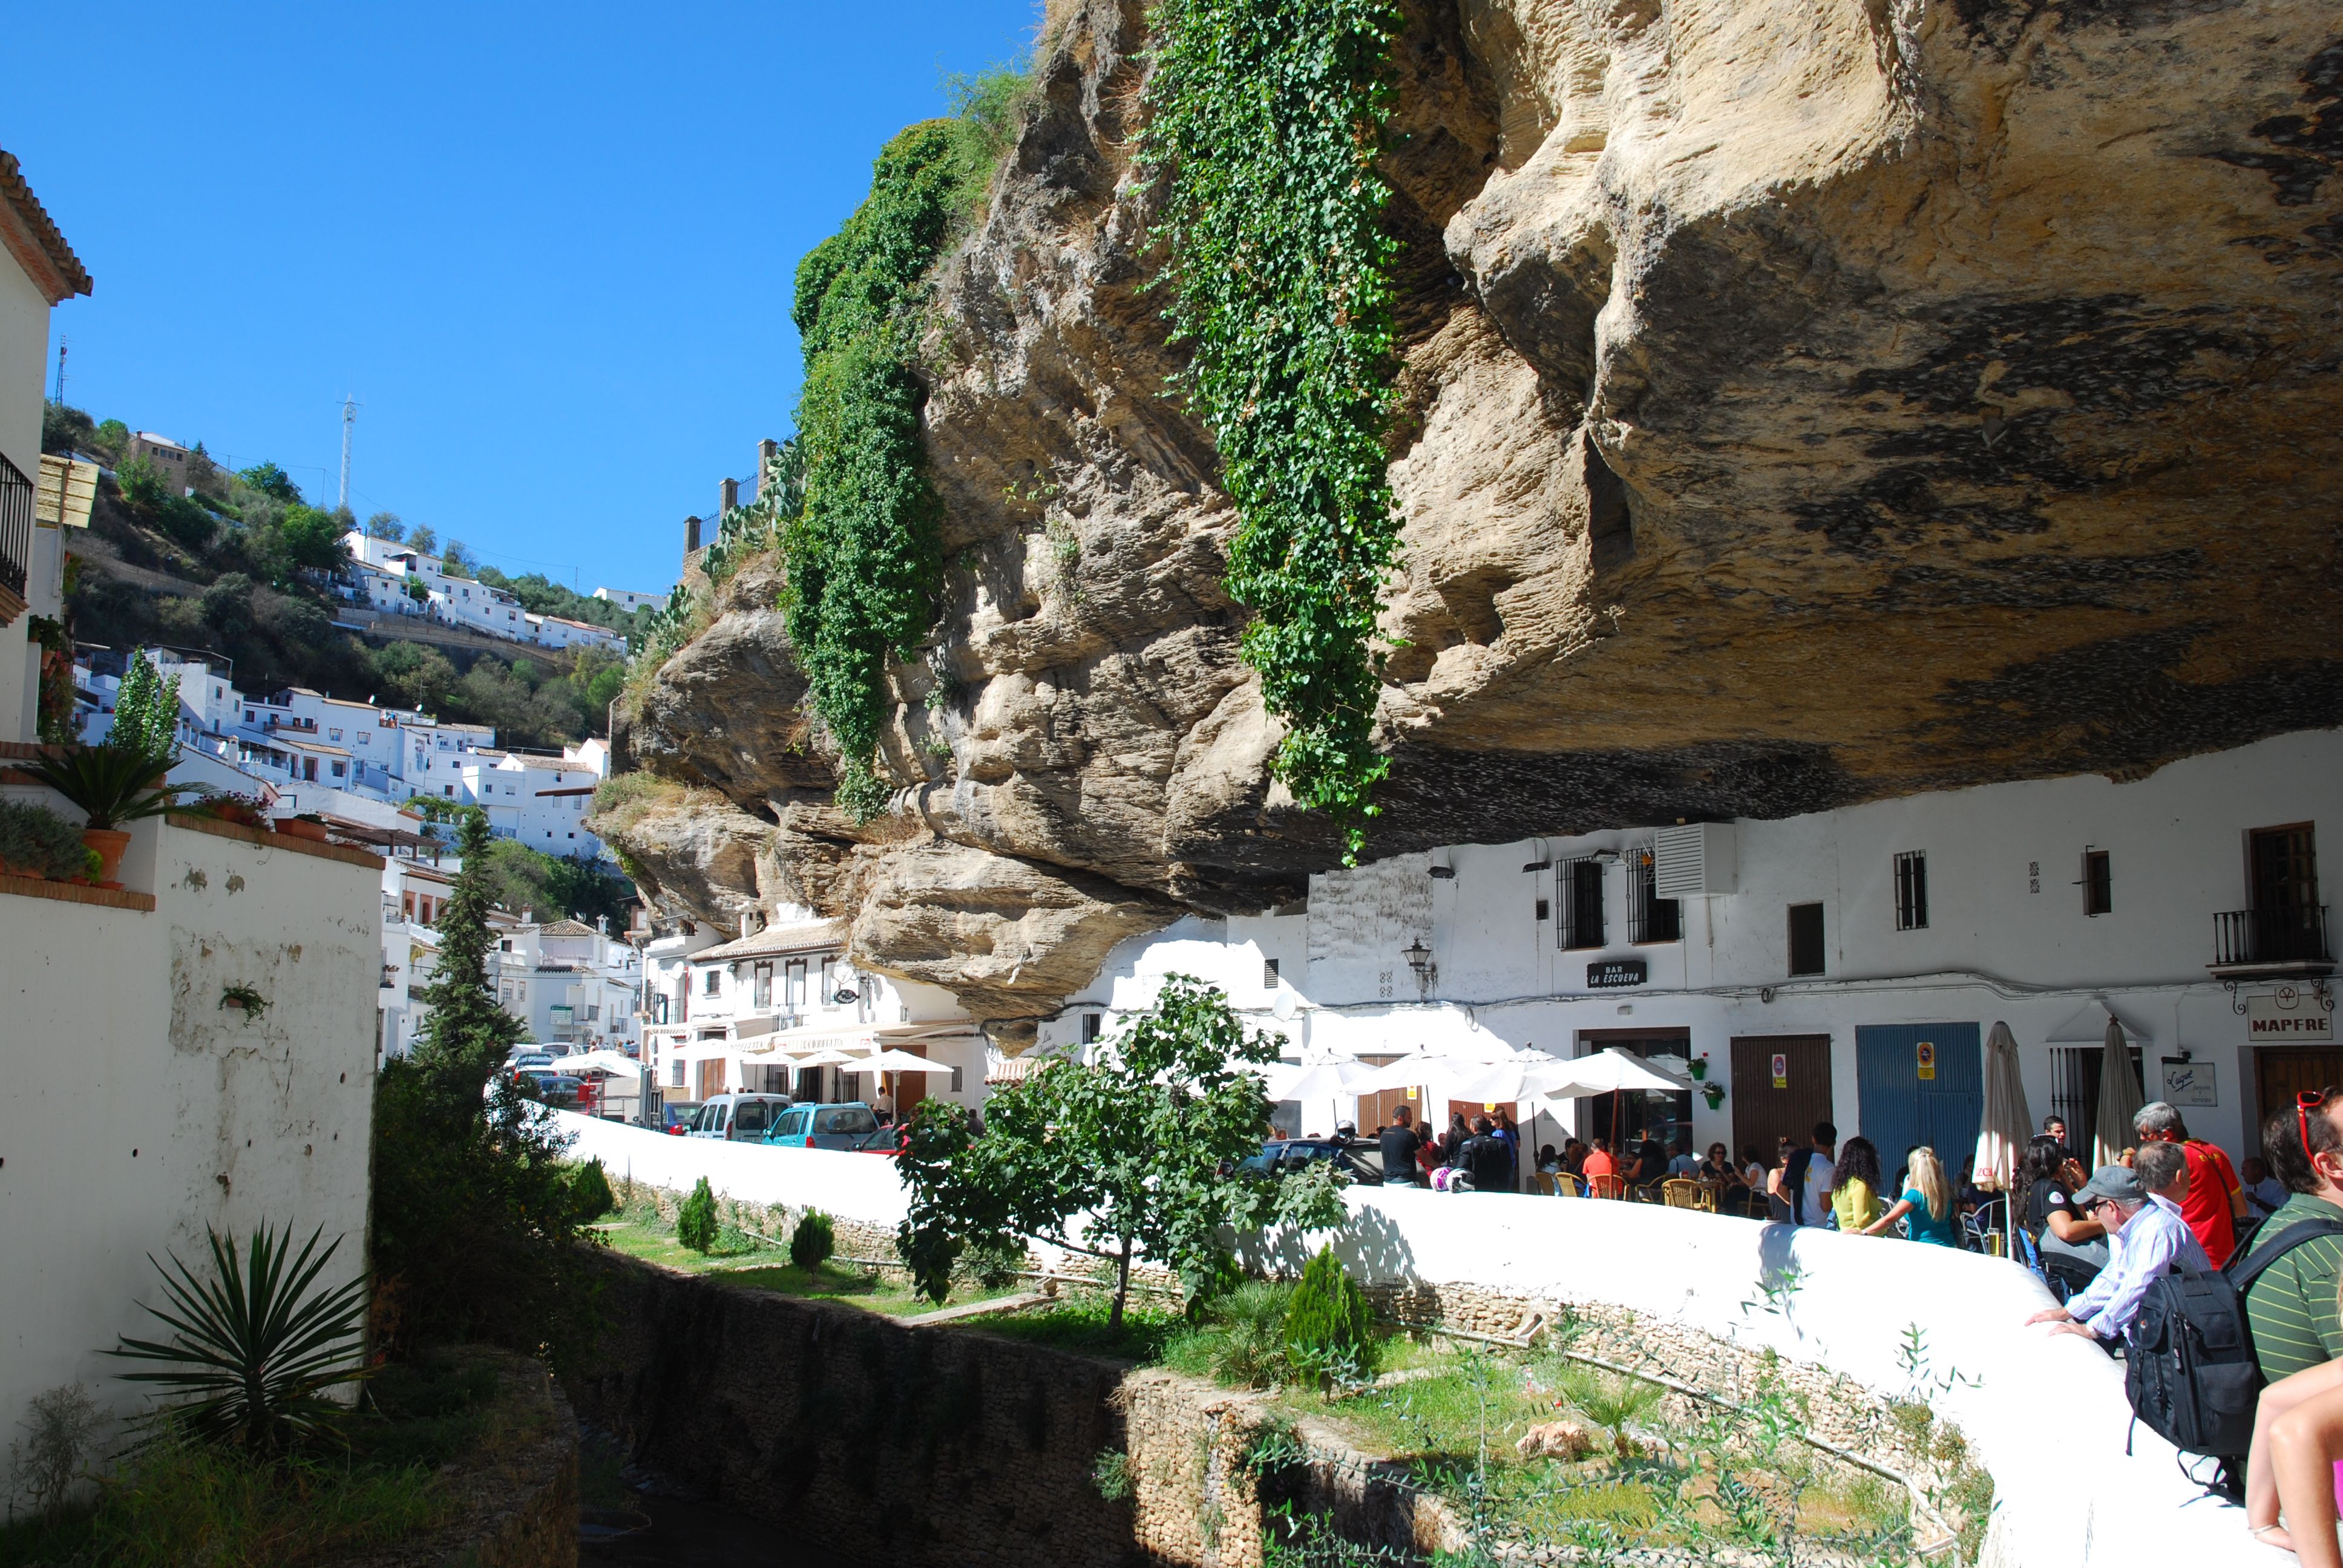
1599	1162
1716	1168
1573	1155
2139	1205
2264	1193
2047	1178
1680	1161
1855	1187
1548	1162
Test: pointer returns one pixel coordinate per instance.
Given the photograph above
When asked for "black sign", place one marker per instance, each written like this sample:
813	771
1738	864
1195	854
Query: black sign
1613	972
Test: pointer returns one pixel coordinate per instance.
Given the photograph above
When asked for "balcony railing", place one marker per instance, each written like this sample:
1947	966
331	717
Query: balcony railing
2271	939
17	496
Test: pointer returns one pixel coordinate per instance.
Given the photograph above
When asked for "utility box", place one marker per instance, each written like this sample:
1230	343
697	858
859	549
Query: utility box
1692	860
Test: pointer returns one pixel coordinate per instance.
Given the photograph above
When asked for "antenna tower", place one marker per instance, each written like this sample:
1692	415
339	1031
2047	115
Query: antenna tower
61	371
349	419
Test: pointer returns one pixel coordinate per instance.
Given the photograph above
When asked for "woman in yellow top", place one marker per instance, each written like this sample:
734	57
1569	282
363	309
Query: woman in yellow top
1855	1186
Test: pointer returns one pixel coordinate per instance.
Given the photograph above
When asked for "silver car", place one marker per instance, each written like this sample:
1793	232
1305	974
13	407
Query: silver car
738	1118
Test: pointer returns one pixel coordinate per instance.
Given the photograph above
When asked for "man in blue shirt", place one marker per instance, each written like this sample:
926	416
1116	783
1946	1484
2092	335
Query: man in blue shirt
2146	1235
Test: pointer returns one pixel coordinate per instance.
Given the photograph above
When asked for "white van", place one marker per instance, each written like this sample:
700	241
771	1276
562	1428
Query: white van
738	1118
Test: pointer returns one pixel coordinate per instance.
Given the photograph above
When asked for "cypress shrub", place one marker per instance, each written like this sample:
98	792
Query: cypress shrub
1328	1330
814	1240
695	1223
589	1191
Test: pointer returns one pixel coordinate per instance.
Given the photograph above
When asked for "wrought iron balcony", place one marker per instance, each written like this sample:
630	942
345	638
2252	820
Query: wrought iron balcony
2271	941
16	497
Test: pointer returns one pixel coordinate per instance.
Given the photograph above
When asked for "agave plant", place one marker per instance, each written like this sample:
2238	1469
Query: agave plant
253	1350
112	784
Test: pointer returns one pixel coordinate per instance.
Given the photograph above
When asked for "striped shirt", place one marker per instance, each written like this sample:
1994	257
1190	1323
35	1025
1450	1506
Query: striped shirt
2291	1308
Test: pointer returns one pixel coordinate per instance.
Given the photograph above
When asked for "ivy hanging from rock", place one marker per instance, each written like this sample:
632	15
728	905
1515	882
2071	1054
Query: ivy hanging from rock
1266	121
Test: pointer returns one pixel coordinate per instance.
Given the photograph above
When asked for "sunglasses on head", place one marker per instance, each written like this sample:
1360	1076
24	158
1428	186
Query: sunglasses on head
2308	1100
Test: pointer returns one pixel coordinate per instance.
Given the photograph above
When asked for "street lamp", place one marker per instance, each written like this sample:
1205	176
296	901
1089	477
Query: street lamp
1419	959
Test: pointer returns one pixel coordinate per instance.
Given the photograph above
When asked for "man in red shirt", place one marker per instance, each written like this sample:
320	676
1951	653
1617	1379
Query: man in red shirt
1598	1164
2216	1199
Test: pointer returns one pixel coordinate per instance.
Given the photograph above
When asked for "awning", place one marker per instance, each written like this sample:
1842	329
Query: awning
2088	1026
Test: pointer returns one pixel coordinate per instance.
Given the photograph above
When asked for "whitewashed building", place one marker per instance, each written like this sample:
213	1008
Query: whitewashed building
746	1014
572	983
1842	965
630	600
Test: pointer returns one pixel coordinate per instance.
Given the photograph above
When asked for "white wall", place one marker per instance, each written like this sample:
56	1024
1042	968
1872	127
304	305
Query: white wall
138	1109
2047	1414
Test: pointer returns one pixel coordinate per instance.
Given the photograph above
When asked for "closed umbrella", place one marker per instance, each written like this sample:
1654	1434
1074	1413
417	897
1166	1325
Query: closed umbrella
2119	1099
2001	1138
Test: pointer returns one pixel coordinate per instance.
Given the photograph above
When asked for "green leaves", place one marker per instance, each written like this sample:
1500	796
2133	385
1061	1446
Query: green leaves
1130	1156
252	1348
1265	120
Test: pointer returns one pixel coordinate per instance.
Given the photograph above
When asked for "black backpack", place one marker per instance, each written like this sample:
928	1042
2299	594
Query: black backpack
2188	1356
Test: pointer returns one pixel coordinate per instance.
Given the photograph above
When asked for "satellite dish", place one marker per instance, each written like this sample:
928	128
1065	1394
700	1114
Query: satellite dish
1285	1006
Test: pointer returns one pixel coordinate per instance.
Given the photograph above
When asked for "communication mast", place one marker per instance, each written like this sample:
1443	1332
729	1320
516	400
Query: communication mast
60	398
349	419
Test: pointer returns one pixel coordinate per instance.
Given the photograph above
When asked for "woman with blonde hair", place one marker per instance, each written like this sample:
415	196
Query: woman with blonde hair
1927	1205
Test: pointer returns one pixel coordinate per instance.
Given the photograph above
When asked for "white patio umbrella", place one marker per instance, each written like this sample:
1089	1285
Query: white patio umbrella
894	1061
2119	1099
1607	1072
610	1061
827	1058
1312	1080
2008	1124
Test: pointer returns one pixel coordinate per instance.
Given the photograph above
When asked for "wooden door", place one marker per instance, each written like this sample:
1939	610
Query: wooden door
1762	1113
2285	870
711	1078
1375	1110
2282	1071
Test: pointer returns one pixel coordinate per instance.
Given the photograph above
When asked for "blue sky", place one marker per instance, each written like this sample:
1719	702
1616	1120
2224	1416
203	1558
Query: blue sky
548	249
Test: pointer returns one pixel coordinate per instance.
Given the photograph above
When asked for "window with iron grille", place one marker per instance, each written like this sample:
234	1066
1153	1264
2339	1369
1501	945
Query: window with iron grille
2098	883
1912	891
1580	884
1091	1024
1650	917
1268	973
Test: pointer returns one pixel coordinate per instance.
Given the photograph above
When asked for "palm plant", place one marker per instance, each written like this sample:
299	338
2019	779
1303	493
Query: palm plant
253	1350
1614	1403
1249	1350
111	784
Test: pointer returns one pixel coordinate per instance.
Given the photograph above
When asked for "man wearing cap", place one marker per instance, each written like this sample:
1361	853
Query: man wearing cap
2145	1235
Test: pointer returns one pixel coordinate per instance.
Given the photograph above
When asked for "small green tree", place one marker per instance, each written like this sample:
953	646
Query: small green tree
146	709
386	525
422	540
589	1191
309	537
1129	1157
269	479
469	1031
813	1241
1328	1327
695	1221
141	482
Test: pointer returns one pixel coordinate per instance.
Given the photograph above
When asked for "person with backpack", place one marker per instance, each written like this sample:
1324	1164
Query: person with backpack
2290	1305
1487	1158
2147	1237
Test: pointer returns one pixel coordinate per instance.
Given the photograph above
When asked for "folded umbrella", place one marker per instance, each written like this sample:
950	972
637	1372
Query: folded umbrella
2119	1099
2007	1123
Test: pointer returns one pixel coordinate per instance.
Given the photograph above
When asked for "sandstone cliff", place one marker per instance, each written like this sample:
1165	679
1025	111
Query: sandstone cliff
1805	403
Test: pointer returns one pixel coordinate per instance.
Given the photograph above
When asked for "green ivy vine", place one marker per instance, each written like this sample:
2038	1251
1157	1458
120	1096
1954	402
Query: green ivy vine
1265	120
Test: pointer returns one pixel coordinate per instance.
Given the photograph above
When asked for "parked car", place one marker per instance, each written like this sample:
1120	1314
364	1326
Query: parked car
824	1126
1360	1162
552	1088
738	1118
676	1116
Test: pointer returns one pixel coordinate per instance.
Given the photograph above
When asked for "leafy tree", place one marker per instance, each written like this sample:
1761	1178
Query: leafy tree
527	879
110	439
66	428
270	480
386	525
455	560
813	1241
228	604
1327	1328
1136	1147
312	539
422	541
416	675
146	709
469	1031
141	482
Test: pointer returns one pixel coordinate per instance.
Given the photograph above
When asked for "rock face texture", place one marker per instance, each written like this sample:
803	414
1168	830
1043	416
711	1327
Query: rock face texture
1803	403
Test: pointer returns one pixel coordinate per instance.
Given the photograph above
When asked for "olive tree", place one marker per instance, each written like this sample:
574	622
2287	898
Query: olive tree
1132	1156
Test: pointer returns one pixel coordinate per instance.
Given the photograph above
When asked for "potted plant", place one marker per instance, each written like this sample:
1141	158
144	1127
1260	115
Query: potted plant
111	785
35	841
1700	1068
244	810
307	825
1713	1093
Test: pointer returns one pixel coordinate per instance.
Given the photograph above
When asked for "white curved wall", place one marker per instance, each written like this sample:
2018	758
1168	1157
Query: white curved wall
2047	1414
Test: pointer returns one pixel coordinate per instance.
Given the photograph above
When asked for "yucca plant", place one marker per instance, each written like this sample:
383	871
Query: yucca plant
111	784
253	1350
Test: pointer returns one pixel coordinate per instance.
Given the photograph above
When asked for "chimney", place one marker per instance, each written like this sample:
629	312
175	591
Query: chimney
767	451
691	535
728	496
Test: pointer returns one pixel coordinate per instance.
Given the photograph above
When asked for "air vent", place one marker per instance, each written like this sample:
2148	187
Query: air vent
1692	860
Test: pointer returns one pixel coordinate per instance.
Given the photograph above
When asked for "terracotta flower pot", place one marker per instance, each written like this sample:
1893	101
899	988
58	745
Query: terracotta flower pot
110	843
294	827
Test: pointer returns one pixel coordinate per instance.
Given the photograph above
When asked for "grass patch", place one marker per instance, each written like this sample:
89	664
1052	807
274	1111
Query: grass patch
736	1261
1080	1323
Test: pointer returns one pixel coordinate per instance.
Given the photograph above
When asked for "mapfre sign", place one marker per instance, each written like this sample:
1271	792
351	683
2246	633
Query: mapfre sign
2288	1016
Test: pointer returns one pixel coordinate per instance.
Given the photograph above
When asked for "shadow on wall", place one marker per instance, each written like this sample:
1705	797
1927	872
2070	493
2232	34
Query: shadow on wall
1372	1247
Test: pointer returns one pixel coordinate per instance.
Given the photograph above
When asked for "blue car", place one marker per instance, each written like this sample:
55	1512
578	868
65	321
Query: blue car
843	1126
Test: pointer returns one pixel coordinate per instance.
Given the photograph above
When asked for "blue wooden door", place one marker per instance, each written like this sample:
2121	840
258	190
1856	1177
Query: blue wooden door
1900	1109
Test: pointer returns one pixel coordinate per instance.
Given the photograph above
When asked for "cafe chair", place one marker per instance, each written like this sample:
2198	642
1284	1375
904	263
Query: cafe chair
1680	1192
1610	1186
1565	1185
1541	1183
